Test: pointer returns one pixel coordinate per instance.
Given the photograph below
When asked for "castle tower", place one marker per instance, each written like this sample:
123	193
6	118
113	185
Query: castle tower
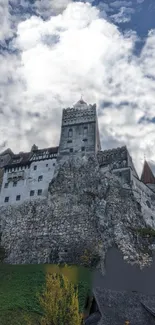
147	176
79	130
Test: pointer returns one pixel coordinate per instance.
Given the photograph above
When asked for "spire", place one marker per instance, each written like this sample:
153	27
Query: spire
147	176
34	147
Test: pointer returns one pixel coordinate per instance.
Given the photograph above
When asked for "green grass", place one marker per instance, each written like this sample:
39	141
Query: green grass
20	284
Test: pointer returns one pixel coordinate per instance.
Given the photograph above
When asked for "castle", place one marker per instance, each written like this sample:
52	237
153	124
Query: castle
57	202
25	176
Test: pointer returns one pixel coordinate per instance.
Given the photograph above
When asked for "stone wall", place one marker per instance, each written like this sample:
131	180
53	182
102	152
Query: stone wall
86	208
115	158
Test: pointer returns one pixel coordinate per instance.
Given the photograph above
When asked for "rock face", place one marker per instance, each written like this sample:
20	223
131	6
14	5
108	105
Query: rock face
86	209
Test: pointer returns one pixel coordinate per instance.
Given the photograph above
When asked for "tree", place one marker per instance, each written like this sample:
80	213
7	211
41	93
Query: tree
59	302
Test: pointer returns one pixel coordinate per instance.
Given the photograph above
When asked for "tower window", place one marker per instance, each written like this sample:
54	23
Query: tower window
31	193
18	198
83	149
6	185
69	141
35	167
85	130
71	150
70	133
39	192
85	140
6	199
14	184
46	165
40	178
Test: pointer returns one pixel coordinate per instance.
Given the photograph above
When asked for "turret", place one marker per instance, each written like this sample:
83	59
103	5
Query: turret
147	176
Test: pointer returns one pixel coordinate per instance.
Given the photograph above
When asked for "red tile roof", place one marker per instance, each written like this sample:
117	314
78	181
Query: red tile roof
147	175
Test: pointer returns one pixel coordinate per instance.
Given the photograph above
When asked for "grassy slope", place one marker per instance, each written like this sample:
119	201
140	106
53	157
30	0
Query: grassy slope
19	285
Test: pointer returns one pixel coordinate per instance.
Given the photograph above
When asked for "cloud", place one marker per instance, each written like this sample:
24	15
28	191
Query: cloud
123	16
5	21
74	50
118	4
46	8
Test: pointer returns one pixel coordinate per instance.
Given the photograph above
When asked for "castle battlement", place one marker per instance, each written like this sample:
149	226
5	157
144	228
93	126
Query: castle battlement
79	115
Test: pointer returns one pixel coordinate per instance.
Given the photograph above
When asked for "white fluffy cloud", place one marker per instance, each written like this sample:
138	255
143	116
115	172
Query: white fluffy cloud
72	52
46	8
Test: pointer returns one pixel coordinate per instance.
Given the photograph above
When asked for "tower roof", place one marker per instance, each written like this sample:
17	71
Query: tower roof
80	103
147	176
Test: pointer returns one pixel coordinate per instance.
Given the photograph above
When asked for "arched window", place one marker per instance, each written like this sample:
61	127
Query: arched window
70	133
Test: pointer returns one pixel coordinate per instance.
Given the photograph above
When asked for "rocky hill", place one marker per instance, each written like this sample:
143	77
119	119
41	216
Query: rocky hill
87	211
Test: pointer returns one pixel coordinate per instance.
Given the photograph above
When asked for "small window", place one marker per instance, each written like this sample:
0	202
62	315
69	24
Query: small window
6	185
35	167
83	149
69	141
71	150
6	199
31	193
46	165
14	184
70	133
85	140
18	198
39	192
40	178
53	164
85	130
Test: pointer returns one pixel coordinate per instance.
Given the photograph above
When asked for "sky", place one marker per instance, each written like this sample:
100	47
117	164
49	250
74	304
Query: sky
52	51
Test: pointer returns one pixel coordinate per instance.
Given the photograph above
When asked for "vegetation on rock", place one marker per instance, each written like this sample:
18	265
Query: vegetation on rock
89	259
2	251
148	231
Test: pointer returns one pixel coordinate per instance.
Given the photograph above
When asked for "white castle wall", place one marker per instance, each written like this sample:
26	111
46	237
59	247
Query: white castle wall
29	182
